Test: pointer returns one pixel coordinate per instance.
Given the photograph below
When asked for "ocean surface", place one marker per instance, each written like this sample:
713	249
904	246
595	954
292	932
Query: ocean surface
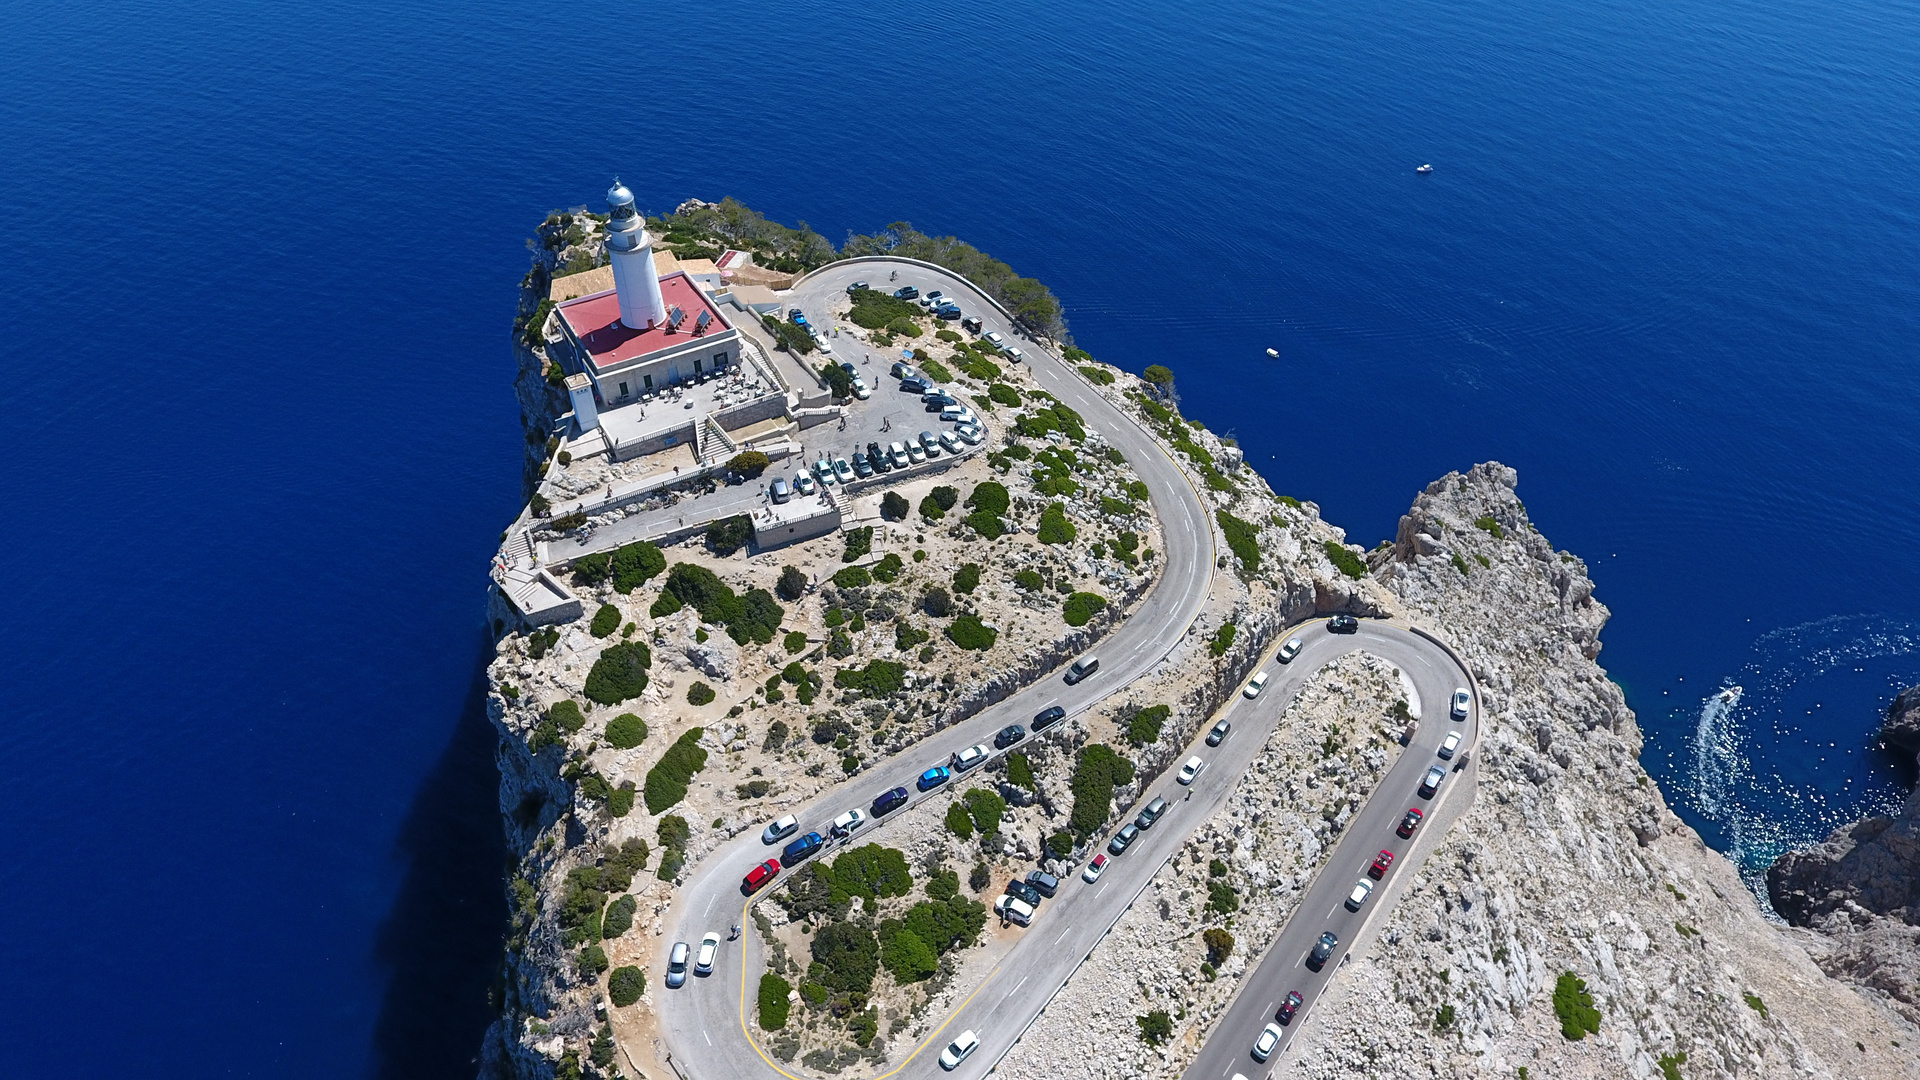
259	262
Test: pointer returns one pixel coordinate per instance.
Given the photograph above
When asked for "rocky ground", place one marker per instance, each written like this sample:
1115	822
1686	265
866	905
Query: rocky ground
1861	888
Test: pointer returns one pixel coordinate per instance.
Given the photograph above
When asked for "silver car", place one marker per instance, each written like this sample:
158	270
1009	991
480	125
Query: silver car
677	965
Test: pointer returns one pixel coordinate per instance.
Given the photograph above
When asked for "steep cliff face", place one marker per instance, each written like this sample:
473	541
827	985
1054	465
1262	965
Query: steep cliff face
1568	862
1861	888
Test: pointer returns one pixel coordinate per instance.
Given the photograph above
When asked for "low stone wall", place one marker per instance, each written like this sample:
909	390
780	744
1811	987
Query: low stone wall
751	412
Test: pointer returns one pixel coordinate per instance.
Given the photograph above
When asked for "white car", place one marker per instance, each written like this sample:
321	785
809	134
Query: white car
1361	890
860	389
823	471
842	471
994	339
847	822
709	950
1255	685
916	453
1462	701
1014	354
1449	744
970	757
1269	1040
969	434
957	414
1190	770
803	484
1092	873
950	441
1013	910
959	1049
1290	650
780	830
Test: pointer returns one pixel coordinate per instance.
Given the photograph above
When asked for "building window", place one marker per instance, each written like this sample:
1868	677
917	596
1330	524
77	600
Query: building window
646	381
719	361
623	389
696	365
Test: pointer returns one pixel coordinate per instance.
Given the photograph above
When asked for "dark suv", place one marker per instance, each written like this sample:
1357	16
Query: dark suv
1048	717
1009	735
1323	950
906	292
889	801
1343	624
1024	891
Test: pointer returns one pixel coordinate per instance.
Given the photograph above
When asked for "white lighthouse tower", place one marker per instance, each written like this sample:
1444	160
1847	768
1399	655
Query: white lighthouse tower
631	252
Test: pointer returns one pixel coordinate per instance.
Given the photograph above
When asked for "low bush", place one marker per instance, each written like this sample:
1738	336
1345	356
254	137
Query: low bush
1098	375
990	496
593	961
959	822
752	617
986	808
792	584
1669	1063
567	715
773	1001
873	309
729	535
1573	1005
1222	640
1081	607
1096	773
795	641
943	885
949	924
1222	898
849	954
1030	580
888	568
852	577
619	917
592	569
1054	526
969	632
894	506
1143	727
626	731
749	463
937	602
699	694
626	984
1219	945
936	371
620	673
1020	771
667	781
1243	539
1060	844
1004	394
967	578
620	802
878	679
906	954
1344	560
632	565
1490	526
605	621
907	636
904	328
664	605
1155	1028
859	542
986	524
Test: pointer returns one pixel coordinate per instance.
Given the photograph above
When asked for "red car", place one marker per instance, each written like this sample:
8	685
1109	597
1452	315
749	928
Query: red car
760	875
1409	823
1380	864
1289	1007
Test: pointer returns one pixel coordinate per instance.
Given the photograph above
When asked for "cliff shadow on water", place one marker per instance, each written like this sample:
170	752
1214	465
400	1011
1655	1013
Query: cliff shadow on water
441	942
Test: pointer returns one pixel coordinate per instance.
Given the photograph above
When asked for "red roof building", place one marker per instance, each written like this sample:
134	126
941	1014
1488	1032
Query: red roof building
625	364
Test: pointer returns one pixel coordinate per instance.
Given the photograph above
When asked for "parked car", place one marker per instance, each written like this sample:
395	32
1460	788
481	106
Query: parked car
1094	868
823	472
1267	1043
948	312
1343	624
797	317
1449	744
1409	823
1381	863
1123	839
677	965
957	1050
932	299
898	453
915	384
780	490
879	461
1462	701
951	442
860	388
1014	910
780	829
1256	684
801	850
1082	668
1048	717
862	468
820	342
971	324
842	471
709	951
902	370
1043	883
1218	733
971	757
1289	1007
969	434
1014	354
759	876
930	443
934	777
957	414
1190	770
915	454
1009	735
1152	813
1024	891
994	339
889	801
1361	890
803	484
906	292
856	287
1290	650
846	823
1431	782
1323	950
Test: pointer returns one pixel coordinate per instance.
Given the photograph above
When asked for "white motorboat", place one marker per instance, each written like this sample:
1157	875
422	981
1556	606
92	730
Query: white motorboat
1424	169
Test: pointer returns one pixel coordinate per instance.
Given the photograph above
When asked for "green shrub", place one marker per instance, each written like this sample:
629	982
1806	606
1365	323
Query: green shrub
1113	507
539	505
1060	844
620	802
626	731
619	917
1054	526
878	679
665	605
1030	580
907	955
566	713
795	642
936	371
967	578
699	694
852	577
621	862
729	535
1490	526
969	632
944	885
1669	1064
1020	771
1004	394
605	621
1219	945
602	1049
580	904
1098	375
937	602
894	506
990	496
986	524
858	541
626	984
749	463
949	924
773	1001
752	617
906	636
620	673
1095	774
592	569
987	808
792	584
1222	897
1155	1028
1144	726
1443	1018
868	871
1243	539
888	568
1343	560
1574	1007
873	309
1160	376
1754	1002
593	961
1083	606
632	565
850	955
979	876
930	510
904	328
1222	640
959	822
667	781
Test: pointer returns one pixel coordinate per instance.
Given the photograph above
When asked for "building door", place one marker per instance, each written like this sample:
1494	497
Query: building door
696	365
623	389
646	381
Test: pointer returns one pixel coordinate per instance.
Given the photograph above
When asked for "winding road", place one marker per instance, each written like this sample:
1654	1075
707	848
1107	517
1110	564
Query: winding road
707	1024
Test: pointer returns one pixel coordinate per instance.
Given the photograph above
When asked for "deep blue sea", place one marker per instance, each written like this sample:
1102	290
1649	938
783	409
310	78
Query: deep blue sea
259	262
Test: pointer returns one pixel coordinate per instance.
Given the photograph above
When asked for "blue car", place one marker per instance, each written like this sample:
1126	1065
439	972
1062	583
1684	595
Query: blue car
801	850
890	801
798	317
934	777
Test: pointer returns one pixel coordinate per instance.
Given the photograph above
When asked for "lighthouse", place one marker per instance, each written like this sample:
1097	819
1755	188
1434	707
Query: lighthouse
631	251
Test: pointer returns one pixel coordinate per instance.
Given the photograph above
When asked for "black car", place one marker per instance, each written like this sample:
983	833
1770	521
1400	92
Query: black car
1025	892
1009	735
880	461
1343	624
1289	1007
1123	839
1043	883
1323	950
906	292
1151	814
1048	717
889	801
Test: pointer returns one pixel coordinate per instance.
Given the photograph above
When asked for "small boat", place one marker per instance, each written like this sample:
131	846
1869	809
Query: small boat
1424	170
1273	352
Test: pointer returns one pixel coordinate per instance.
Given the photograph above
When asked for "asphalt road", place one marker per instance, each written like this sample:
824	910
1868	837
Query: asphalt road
703	1022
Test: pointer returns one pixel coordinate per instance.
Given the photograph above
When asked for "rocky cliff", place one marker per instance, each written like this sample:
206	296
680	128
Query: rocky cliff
1861	888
